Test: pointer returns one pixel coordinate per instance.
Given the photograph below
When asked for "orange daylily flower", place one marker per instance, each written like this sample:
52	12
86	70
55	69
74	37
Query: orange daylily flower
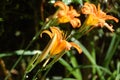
67	14
60	44
97	17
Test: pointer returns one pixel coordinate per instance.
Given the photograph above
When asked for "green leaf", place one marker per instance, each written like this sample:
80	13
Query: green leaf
90	58
67	1
69	68
85	51
69	79
75	65
111	50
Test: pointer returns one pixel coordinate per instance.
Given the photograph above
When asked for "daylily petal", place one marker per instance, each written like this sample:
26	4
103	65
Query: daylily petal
89	8
61	5
57	32
75	23
110	27
72	12
76	46
91	20
59	47
52	51
108	17
47	32
63	8
47	49
64	19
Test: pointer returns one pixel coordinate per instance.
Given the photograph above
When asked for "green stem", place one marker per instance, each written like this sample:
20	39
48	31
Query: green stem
49	65
93	54
55	59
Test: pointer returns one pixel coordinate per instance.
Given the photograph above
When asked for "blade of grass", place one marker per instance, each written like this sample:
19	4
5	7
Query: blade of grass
90	58
100	67
75	65
69	68
94	57
111	50
85	51
118	71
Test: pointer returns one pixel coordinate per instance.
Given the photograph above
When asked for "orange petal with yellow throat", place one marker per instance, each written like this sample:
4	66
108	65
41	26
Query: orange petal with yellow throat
59	47
63	19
